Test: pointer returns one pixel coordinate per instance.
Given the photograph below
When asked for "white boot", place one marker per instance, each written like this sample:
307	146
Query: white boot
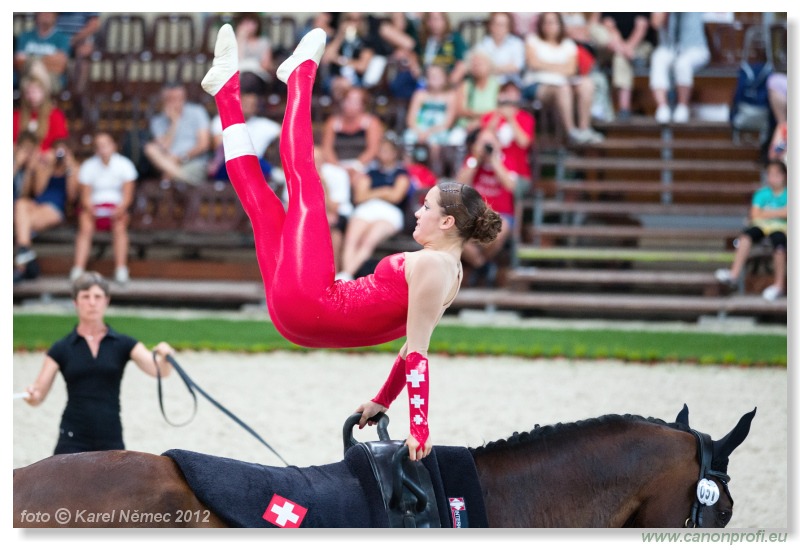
312	46
226	61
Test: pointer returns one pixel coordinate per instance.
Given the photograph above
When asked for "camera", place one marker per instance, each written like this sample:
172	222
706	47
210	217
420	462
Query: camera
60	155
488	149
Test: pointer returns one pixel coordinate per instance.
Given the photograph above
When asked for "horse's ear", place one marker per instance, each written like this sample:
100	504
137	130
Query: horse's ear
683	416
725	446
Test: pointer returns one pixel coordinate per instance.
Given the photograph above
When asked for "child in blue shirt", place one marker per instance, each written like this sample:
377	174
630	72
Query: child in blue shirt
768	220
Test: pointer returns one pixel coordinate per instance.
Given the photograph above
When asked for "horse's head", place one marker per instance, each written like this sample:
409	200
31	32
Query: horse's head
712	504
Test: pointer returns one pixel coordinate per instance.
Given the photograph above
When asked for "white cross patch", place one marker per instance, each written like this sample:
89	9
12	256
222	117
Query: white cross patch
415	378
417	401
418	420
284	513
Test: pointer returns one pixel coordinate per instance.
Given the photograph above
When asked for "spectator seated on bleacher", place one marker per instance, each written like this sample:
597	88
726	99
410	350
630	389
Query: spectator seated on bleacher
514	127
43	179
255	54
552	77
624	39
180	137
43	203
397	43
477	94
439	44
262	130
506	50
81	27
497	166
44	43
38	115
682	50
576	27
432	113
768	219
777	93
380	197
106	182
351	136
349	55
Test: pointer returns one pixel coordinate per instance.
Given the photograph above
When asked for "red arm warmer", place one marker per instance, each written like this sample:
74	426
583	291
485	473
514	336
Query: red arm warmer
394	384
417	382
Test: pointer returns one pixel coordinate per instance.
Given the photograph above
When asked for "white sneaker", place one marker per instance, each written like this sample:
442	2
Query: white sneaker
724	276
74	273
25	256
593	136
226	61
121	275
681	114
311	46
577	136
663	114
772	293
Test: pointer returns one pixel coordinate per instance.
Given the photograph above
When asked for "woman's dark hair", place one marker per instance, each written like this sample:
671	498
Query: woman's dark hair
253	16
88	280
780	164
474	218
494	14
424	33
540	25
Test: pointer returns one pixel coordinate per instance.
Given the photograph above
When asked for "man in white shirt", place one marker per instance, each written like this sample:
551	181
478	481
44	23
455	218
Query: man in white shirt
106	192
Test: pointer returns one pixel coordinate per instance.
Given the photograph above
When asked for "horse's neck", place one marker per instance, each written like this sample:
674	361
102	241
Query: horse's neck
594	477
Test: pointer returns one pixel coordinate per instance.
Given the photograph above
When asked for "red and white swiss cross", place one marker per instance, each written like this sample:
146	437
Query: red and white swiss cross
284	513
457	504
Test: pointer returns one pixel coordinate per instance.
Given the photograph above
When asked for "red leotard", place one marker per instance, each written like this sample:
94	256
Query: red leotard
293	248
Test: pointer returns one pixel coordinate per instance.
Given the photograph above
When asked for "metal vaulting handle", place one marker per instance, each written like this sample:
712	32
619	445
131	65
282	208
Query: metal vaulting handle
400	479
352	421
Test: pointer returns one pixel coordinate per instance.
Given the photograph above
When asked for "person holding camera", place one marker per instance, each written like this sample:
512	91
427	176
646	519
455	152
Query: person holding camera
41	207
486	170
497	165
514	128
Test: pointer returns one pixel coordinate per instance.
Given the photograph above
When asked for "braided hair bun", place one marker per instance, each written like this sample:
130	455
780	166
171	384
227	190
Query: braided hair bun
487	226
474	218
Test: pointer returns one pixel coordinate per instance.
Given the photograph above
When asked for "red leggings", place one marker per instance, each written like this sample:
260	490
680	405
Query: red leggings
293	247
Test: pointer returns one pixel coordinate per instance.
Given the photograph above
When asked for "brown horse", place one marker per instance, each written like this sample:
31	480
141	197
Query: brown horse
611	471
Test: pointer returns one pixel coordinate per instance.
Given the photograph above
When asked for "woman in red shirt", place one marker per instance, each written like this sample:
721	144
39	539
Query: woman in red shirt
39	116
49	176
498	162
488	169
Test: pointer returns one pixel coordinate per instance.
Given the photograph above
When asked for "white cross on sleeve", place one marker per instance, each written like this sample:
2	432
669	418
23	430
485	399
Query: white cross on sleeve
417	401
415	377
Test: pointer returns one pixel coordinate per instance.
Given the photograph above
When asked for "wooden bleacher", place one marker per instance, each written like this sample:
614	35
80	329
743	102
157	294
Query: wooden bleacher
631	227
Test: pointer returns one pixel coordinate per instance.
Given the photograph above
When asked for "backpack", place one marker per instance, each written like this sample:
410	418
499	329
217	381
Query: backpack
750	109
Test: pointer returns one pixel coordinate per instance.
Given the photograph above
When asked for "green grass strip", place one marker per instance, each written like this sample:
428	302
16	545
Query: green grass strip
619	254
38	332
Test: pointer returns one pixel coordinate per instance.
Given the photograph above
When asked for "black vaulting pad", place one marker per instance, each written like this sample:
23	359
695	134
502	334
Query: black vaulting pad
343	494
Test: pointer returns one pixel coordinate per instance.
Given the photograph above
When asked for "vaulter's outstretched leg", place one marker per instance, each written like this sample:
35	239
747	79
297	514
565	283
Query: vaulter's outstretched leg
306	258
262	206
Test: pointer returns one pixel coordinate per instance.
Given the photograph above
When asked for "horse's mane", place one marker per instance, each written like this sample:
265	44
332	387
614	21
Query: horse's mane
539	433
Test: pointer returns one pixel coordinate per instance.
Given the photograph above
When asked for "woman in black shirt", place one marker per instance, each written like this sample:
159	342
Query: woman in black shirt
92	359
